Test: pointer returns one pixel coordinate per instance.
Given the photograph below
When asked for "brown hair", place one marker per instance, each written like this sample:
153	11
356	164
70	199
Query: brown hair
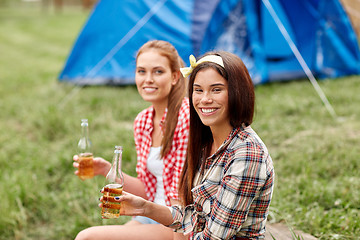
177	92
241	102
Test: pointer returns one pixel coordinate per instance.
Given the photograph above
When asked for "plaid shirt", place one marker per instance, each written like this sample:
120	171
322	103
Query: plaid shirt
232	197
174	159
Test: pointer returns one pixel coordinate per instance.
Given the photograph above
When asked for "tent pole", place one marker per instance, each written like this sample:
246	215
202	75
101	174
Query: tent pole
300	59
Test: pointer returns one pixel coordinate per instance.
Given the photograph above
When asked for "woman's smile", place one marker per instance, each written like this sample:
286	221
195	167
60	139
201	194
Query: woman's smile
150	89
210	99
208	111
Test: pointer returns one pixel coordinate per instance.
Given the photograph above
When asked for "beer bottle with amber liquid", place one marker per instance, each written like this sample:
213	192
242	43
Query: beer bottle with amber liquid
86	169
113	187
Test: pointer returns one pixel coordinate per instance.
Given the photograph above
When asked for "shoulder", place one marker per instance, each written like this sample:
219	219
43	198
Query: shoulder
143	117
185	105
184	111
184	114
144	113
248	155
247	144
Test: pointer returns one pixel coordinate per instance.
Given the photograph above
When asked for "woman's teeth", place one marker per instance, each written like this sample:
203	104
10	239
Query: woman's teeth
208	110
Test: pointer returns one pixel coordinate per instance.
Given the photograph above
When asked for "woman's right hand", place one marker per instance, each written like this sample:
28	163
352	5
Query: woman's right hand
101	166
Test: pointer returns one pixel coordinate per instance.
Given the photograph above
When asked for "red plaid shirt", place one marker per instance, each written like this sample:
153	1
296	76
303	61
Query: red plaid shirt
174	159
232	198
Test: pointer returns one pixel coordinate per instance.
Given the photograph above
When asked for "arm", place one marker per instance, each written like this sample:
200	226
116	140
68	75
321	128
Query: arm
102	167
134	185
137	206
234	203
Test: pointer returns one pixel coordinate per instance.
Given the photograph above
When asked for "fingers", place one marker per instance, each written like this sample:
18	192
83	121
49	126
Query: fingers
99	159
76	164
123	197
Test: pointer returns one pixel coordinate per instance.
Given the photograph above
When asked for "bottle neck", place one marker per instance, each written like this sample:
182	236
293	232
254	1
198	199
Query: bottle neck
115	173
84	145
117	160
84	131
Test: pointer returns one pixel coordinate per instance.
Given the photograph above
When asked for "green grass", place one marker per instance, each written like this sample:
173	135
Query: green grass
316	157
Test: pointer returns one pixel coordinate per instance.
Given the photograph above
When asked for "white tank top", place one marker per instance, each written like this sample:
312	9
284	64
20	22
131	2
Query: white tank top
155	165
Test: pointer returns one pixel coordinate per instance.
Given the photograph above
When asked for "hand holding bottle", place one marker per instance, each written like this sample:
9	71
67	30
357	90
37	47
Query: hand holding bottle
100	165
131	205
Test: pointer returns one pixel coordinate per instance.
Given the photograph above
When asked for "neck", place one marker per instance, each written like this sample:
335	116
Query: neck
159	108
158	112
219	136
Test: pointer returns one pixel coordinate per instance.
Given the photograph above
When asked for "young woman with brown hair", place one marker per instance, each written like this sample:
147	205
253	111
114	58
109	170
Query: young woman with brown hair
227	182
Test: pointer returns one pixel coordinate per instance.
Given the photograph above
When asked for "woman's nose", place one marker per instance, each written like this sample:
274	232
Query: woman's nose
149	78
206	98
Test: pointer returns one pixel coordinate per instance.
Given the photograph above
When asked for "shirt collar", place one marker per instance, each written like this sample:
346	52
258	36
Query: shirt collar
149	123
221	150
229	138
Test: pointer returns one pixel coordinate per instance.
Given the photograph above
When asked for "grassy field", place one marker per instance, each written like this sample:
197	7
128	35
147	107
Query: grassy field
316	157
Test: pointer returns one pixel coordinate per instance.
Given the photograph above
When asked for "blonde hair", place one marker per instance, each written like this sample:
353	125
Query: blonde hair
177	92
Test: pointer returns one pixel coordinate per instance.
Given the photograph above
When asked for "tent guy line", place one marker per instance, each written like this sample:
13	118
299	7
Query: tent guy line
300	59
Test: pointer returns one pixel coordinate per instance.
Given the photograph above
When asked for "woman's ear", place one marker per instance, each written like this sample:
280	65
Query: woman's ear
176	77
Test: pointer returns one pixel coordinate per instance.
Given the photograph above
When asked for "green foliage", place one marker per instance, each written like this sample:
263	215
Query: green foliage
316	157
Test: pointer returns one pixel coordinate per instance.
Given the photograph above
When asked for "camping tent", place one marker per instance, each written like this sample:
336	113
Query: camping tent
272	37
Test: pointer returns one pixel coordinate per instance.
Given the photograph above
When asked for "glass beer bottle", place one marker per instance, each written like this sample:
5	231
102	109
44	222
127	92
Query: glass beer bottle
86	169
113	187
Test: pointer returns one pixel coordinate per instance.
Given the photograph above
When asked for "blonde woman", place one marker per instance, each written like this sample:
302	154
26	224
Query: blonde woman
161	137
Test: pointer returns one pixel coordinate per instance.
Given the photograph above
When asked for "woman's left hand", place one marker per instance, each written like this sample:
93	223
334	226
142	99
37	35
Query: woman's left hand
131	205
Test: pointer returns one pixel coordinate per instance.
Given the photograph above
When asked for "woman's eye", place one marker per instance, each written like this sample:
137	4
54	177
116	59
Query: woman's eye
140	71
216	90
159	72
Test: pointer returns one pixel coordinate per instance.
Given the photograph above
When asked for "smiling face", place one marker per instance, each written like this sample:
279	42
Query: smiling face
210	99
153	77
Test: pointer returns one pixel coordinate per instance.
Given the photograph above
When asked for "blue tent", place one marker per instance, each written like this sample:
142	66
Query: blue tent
277	39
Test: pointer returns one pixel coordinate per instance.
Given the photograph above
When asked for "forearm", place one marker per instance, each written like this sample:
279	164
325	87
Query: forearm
159	213
137	206
134	186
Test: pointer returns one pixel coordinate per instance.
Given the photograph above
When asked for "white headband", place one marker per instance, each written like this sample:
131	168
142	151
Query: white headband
186	71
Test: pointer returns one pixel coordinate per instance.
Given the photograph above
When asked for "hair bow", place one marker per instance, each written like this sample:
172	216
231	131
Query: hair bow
186	71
